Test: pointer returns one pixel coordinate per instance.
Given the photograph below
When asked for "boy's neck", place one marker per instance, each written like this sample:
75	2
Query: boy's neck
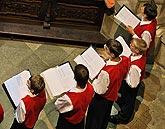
78	87
117	59
145	19
136	54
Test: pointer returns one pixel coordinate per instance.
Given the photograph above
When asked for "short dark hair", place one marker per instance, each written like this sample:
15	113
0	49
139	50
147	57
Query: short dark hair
150	11
81	75
37	83
114	46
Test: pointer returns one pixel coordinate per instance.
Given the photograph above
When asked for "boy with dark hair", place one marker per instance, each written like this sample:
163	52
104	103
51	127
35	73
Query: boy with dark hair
73	104
146	29
31	105
130	85
106	86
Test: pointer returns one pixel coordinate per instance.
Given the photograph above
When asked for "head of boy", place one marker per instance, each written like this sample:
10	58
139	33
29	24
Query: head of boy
149	11
81	75
138	46
113	48
36	84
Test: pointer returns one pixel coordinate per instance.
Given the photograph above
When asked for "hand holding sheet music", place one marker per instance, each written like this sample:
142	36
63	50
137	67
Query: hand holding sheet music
92	61
59	79
127	17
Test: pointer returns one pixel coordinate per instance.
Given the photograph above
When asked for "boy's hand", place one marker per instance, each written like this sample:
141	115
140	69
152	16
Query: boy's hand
103	56
130	29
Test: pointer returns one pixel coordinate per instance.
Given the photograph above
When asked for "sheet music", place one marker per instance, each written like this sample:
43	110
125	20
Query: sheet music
16	86
92	61
59	79
126	50
127	17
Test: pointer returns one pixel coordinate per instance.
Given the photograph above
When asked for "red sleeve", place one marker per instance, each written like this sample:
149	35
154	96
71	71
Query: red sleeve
1	113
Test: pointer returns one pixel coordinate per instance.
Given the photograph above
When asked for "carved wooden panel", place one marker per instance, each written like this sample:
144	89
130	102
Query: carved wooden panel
86	14
24	8
66	13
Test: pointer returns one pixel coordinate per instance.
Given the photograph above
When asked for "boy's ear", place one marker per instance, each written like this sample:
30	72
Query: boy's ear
32	91
112	55
137	51
106	48
145	16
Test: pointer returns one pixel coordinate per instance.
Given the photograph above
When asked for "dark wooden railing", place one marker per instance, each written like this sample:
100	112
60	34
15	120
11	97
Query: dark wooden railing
74	18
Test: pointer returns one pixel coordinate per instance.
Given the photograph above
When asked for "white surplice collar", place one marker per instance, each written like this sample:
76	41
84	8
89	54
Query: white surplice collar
145	22
109	62
133	58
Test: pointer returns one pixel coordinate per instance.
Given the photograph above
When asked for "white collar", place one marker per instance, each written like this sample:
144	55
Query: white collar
145	22
77	90
133	58
109	62
32	95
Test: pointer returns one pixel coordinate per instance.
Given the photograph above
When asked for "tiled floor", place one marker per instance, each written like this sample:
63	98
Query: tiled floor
16	55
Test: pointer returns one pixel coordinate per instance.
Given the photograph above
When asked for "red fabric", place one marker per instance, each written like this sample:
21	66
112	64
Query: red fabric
1	113
80	102
141	63
117	73
151	28
110	3
33	106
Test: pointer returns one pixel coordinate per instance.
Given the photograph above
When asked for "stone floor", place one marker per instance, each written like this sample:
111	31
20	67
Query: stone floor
17	55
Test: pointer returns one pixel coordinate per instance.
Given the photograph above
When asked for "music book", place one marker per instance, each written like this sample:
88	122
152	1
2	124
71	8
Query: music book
16	88
59	79
127	17
91	59
126	50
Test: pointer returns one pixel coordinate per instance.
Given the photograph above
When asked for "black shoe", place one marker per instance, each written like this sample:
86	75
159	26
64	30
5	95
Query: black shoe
114	119
147	74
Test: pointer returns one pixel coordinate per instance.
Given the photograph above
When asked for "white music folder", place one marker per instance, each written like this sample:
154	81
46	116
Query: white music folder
91	59
16	88
127	17
59	79
126	50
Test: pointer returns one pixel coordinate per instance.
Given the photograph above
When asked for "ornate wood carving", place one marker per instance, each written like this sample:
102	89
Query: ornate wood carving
76	13
84	13
25	8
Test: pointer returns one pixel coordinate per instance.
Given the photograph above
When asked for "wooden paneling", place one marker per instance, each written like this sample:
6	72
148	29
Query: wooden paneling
57	20
86	14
